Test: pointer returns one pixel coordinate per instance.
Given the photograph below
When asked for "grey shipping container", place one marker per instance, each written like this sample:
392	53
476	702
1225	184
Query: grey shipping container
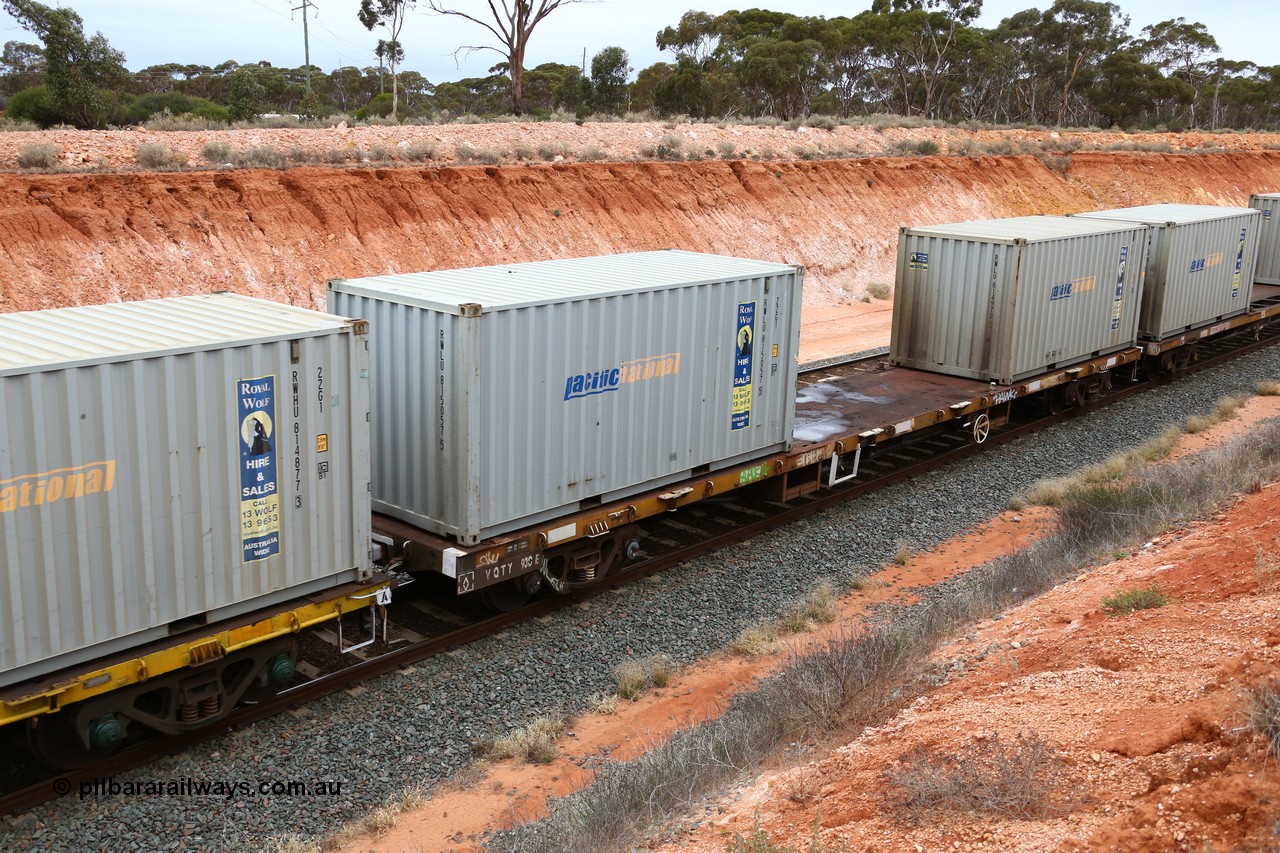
507	395
1199	265
1004	299
173	459
1268	269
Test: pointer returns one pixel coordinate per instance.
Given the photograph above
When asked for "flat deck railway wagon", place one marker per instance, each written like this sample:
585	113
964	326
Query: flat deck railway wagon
524	394
183	486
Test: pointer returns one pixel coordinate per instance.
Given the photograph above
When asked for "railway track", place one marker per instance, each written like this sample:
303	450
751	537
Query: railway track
669	541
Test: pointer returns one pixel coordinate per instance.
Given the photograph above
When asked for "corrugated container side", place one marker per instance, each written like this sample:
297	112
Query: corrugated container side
480	430
1200	264
1006	310
122	485
1268	269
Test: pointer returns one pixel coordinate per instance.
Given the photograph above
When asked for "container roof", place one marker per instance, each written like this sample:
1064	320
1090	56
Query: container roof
508	286
1169	214
1029	228
118	331
1266	195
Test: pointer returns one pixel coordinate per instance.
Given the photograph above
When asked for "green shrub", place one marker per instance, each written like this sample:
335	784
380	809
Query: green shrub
1140	598
927	148
34	105
379	106
175	111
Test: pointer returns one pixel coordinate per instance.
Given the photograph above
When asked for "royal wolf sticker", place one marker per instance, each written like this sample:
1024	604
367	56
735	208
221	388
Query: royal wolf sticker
744	344
259	491
1117	306
1235	282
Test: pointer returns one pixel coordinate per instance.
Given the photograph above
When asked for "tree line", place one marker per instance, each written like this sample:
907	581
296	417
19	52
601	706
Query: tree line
1072	64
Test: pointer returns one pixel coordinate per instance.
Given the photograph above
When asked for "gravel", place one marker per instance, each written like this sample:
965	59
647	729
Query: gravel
418	725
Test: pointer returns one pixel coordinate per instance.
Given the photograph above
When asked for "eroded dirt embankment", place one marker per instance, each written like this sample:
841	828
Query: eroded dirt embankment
76	239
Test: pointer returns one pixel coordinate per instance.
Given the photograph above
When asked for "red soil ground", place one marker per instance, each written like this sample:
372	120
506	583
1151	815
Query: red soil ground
1144	709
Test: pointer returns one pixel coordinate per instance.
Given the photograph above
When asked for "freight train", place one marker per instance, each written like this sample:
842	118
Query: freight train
187	484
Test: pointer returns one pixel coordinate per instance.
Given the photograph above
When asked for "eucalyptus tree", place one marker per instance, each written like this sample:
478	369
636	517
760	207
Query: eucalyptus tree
390	15
511	23
914	41
83	73
1185	50
1074	37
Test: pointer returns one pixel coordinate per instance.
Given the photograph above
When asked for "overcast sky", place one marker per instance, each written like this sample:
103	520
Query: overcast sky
150	32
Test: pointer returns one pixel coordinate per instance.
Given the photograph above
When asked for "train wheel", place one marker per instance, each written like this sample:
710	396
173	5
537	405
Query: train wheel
1056	400
60	741
511	594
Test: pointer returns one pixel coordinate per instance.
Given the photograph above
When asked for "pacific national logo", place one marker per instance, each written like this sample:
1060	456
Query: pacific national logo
53	486
612	378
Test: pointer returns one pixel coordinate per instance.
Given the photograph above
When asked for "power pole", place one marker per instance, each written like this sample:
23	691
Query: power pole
306	39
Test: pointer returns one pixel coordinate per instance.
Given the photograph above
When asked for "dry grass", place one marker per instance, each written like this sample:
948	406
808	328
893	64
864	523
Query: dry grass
41	155
1266	568
756	640
418	152
1023	779
880	290
376	823
1267	389
216	153
820	606
1262	712
549	151
1225	411
1052	492
903	550
261	157
603	703
535	743
634	677
155	156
